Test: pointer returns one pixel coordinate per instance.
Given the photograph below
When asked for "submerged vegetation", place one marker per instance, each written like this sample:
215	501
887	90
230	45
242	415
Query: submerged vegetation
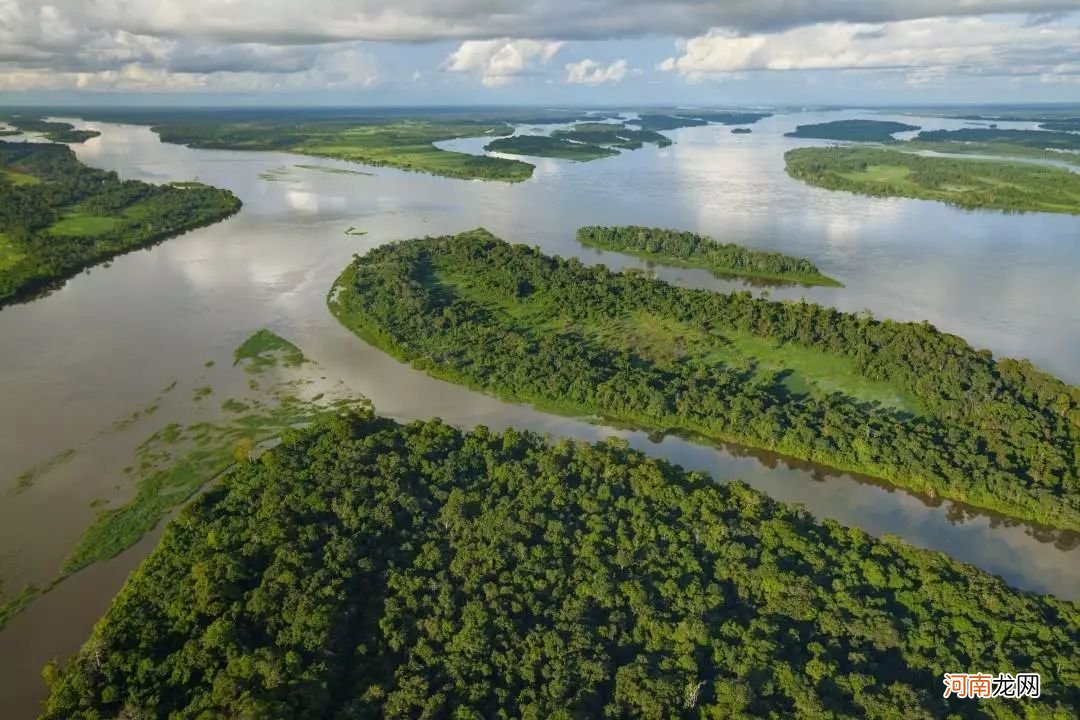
693	250
966	183
369	569
58	216
855	130
898	401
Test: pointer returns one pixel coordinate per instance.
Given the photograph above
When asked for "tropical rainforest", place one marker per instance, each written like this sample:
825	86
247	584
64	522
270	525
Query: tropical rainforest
856	130
898	401
966	183
58	216
368	569
693	250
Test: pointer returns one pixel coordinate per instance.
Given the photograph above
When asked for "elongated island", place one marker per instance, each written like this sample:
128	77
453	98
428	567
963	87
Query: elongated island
963	182
898	401
676	247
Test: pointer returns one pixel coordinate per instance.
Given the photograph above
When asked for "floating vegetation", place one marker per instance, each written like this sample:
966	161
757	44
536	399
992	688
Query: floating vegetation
334	170
265	349
29	477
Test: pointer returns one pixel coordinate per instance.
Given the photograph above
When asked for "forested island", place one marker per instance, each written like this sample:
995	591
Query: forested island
60	132
58	216
552	147
1041	139
898	401
963	182
612	135
693	250
1040	144
364	568
879	131
696	118
402	144
584	141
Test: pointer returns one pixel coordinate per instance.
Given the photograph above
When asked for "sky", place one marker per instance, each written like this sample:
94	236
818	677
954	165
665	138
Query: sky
551	52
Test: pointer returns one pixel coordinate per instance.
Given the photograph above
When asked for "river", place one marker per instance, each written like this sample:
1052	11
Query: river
108	342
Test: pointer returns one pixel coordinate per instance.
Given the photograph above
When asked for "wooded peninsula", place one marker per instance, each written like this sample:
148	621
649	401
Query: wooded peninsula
898	401
963	182
366	569
693	250
58	216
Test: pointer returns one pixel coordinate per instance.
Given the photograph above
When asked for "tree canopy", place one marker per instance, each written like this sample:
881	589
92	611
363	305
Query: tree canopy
367	569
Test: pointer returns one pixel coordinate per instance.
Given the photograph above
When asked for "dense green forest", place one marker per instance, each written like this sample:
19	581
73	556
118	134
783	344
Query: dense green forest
402	144
856	130
691	249
553	147
898	401
966	183
60	132
58	216
366	569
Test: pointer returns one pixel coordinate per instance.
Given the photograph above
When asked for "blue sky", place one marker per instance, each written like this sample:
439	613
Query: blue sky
717	52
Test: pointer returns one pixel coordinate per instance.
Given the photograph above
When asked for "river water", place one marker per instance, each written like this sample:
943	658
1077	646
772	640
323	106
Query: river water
111	339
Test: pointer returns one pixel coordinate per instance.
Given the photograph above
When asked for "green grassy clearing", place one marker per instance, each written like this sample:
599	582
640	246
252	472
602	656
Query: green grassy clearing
18	178
10	255
78	225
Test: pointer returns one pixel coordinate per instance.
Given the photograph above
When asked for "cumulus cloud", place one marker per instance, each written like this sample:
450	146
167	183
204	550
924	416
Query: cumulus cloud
285	43
978	45
498	62
590	72
287	21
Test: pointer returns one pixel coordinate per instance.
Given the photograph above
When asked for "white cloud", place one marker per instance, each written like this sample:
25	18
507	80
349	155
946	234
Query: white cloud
590	72
983	45
498	62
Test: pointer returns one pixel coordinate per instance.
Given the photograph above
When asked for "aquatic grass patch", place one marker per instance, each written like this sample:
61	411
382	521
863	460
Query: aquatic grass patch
28	477
266	349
